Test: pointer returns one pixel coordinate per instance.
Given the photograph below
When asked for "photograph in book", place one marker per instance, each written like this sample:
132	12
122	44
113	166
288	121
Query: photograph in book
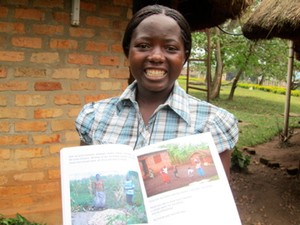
101	187
176	165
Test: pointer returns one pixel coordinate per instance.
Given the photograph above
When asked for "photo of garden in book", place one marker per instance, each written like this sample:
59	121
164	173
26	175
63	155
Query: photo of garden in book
111	197
175	166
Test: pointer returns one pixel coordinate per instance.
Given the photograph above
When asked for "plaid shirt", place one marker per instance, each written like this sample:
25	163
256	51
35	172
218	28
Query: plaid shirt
118	120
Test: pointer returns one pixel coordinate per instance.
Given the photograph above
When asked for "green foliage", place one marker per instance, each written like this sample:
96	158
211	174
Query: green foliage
18	220
181	153
273	89
239	161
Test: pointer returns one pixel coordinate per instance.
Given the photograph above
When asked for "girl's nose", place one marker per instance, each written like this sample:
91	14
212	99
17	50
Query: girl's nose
156	55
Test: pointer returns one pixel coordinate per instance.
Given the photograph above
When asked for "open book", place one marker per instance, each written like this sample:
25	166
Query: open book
179	181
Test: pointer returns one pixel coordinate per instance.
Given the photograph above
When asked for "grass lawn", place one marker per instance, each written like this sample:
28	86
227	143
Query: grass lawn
261	113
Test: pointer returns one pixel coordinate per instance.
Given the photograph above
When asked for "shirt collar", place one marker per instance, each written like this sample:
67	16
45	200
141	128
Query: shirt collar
177	101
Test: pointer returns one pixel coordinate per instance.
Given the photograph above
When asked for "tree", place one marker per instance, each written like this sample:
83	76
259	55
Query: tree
217	79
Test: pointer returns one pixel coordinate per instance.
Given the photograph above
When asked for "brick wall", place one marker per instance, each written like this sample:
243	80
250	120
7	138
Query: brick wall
48	71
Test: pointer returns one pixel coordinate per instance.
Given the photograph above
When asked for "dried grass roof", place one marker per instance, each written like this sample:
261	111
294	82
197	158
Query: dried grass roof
202	14
274	18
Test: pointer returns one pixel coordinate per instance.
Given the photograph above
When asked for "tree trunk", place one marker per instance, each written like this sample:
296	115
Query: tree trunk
217	81
241	70
234	83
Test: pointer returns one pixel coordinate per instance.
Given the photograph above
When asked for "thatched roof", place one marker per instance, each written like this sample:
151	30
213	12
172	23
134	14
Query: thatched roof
202	14
274	18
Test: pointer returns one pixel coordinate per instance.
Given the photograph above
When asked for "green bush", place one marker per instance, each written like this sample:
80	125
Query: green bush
239	161
18	220
272	89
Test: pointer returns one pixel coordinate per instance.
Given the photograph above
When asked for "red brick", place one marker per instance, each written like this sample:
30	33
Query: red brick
117	48
4	127
62	17
63	44
66	73
13	113
95	98
53	174
14	86
47	29
96	46
12	28
126	3
74	112
88	6
5	204
3	180
46	162
32	14
14	140
3	42
59	125
48	113
5	154
97	73
48	187
81	59
23	201
45	57
46	139
110	85
30	72
49	4
120	74
30	126
111	35
17	190
30	100
72	136
111	10
3	72
97	22
13	165
109	61
3	12
33	176
79	86
3	100
119	25
47	86
81	32
19	2
71	99
26	153
27	42
11	56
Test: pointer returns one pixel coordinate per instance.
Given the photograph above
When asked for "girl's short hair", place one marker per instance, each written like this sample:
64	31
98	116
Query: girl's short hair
150	10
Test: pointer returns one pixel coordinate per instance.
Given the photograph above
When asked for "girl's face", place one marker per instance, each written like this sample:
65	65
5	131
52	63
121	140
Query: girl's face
156	54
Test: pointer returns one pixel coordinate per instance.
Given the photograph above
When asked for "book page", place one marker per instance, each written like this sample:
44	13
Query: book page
185	182
101	184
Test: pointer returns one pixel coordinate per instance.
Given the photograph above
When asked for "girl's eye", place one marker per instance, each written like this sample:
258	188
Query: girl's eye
171	49
143	46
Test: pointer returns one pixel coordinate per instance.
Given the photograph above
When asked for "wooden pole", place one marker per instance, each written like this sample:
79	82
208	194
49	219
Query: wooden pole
288	90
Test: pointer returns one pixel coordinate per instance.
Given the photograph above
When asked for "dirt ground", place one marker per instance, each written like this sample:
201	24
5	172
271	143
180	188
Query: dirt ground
269	192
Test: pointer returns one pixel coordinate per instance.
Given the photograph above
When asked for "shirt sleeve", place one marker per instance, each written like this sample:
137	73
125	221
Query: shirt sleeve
84	123
224	129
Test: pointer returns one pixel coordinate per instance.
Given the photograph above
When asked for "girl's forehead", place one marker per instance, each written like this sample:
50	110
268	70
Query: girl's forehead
158	24
160	19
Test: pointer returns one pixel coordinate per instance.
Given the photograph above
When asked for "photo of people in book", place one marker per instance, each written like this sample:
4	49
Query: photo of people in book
100	195
175	166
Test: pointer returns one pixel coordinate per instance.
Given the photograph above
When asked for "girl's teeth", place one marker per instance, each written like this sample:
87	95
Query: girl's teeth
155	73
